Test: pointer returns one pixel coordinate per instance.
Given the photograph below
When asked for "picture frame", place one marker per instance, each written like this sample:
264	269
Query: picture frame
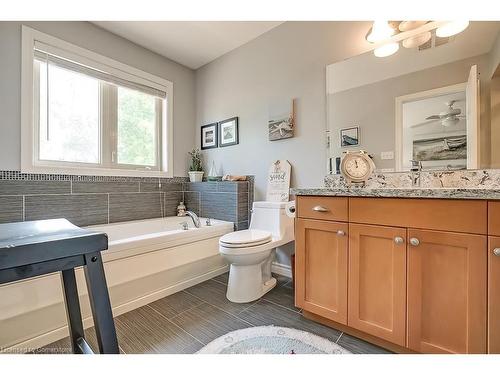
349	137
209	136
228	132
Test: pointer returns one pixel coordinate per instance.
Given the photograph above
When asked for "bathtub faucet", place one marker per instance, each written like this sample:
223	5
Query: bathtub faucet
194	217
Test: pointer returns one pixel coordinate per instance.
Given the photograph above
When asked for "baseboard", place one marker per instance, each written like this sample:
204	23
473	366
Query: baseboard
282	269
59	333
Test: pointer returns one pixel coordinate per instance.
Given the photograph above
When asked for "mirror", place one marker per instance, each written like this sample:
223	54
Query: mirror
438	104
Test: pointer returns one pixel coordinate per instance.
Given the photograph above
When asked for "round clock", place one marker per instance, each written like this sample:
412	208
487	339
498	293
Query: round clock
357	166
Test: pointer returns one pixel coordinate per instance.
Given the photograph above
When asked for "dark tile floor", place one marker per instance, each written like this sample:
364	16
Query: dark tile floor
186	321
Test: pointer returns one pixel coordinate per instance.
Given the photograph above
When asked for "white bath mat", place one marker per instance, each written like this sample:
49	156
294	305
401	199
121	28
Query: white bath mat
271	340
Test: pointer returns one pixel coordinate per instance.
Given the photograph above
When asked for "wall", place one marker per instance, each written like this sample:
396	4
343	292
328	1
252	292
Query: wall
91	37
287	62
372	106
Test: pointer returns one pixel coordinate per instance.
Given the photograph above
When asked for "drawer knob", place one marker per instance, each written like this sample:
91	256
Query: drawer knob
414	241
497	251
399	240
342	233
320	209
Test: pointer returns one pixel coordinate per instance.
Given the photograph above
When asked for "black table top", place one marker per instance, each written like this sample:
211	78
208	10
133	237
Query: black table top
31	242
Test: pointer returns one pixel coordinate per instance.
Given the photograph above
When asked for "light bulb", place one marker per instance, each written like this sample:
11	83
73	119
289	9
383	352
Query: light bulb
386	50
451	28
417	40
381	30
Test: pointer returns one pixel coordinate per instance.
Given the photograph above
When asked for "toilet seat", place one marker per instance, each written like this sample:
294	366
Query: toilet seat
245	238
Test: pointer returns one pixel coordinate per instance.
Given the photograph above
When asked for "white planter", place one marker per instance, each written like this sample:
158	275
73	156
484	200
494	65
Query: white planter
195	176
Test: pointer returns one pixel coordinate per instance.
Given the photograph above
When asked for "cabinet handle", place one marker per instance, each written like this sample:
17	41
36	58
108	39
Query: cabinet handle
342	233
497	251
399	240
414	241
320	209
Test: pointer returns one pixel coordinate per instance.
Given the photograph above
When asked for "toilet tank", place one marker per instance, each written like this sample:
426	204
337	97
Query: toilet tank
271	216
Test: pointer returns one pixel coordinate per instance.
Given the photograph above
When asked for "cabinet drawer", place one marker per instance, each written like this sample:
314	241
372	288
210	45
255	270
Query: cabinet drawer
437	214
322	208
494	218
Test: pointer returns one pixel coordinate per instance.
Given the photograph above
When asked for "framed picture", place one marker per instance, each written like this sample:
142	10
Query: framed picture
209	137
281	126
349	137
228	132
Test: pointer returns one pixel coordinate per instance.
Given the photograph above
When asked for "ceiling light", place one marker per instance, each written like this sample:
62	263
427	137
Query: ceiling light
451	28
386	50
417	40
410	25
381	30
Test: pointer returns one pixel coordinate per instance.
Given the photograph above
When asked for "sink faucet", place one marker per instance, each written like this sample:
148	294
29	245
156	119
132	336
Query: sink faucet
194	217
416	168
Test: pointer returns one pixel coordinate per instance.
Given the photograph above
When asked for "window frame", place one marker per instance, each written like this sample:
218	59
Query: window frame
30	162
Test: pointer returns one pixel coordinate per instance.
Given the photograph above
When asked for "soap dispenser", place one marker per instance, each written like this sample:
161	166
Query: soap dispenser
181	209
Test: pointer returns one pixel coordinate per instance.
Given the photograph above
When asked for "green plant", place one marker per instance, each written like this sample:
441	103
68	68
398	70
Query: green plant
195	165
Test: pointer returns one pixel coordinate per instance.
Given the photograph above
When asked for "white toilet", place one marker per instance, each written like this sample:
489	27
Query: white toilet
250	252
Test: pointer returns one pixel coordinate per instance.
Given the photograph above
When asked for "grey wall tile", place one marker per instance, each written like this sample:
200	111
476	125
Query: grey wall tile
11	209
241	225
192	201
222	206
165	186
80	209
105	186
242	207
134	206
233	186
21	187
200	186
172	199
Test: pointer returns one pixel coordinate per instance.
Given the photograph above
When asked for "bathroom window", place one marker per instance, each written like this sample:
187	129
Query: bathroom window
90	114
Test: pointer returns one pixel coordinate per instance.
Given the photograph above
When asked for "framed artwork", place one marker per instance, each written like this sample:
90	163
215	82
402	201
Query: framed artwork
349	137
228	132
209	138
281	126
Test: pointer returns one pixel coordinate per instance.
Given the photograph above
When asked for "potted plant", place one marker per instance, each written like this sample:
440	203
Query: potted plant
195	167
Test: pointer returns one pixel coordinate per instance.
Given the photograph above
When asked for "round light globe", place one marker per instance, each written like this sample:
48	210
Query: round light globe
451	28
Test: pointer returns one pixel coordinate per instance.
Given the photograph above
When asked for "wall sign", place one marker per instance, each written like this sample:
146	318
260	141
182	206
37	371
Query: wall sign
278	181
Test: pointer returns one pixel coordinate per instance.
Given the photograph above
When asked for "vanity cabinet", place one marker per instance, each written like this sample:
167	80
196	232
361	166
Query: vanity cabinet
415	271
321	268
377	281
446	292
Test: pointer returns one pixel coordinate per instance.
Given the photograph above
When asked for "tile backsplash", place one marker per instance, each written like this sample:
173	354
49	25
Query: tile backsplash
90	200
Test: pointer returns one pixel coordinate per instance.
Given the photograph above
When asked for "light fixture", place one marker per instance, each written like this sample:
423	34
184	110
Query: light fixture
417	40
451	28
410	25
386	50
381	30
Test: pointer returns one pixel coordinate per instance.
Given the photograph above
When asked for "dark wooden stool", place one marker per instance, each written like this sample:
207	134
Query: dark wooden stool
34	248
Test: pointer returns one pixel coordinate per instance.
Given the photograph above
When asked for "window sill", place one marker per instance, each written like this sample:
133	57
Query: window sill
86	171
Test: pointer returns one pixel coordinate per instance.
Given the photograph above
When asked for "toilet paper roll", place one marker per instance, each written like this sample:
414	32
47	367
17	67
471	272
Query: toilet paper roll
290	209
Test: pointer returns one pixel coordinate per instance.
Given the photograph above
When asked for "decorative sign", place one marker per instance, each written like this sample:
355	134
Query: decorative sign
278	181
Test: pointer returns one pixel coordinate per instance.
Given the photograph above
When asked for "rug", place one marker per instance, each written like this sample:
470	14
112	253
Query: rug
271	340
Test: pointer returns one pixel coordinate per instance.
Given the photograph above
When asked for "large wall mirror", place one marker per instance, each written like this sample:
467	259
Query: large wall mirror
438	104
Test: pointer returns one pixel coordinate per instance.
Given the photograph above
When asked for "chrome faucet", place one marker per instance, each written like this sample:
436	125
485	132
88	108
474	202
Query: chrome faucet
194	217
416	168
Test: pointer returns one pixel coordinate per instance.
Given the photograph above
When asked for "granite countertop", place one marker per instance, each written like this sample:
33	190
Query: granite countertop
436	193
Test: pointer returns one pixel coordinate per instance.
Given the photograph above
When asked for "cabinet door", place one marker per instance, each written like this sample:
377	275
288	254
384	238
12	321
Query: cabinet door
321	268
377	281
494	295
446	292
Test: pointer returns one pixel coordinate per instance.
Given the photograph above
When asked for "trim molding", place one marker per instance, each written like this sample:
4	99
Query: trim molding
282	269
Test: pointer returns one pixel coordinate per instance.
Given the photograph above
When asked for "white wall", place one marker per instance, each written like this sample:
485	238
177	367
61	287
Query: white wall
287	62
89	36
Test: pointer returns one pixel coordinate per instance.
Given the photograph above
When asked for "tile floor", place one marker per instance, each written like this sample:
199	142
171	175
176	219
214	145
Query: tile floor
186	321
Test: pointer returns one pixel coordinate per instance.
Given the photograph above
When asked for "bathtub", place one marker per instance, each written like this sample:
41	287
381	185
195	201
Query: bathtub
146	260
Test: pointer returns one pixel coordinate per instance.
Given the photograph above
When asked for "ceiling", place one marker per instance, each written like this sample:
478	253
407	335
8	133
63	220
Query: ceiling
189	43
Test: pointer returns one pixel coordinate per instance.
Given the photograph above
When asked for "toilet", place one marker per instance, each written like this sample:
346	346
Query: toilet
251	252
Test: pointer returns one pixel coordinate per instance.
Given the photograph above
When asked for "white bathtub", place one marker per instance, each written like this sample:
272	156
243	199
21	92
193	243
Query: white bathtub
146	260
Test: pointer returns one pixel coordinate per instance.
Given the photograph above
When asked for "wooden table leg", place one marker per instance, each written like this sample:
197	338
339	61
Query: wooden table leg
100	304
72	304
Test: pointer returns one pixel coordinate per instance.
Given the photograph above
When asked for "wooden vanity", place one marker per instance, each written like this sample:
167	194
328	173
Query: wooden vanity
408	274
